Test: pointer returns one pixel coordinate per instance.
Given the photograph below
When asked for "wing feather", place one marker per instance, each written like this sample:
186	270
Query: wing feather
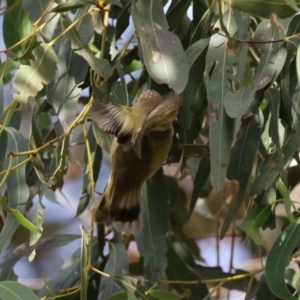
114	119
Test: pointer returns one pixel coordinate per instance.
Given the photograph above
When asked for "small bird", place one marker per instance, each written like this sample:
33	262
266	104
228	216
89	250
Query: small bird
143	137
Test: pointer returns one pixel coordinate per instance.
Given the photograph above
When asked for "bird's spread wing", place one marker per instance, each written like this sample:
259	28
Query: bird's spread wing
159	118
116	120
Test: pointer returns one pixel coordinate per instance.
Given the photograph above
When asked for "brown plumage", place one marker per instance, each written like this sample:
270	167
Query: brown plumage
144	136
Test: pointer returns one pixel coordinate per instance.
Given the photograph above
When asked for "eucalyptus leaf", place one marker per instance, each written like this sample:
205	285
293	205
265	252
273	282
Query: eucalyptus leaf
283	10
17	189
29	80
163	53
11	290
221	126
275	268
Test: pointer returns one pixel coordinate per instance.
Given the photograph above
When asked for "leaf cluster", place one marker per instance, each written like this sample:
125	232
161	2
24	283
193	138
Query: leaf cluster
236	66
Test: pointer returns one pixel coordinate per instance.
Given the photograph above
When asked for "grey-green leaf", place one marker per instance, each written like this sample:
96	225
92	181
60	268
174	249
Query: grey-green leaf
17	189
29	80
11	290
163	53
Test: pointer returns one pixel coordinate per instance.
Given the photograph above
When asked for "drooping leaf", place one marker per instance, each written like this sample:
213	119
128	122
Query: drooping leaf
116	265
84	263
63	91
38	222
241	162
29	80
155	213
70	272
278	259
100	66
103	139
1	100
199	181
220	125
50	21
17	189
163	53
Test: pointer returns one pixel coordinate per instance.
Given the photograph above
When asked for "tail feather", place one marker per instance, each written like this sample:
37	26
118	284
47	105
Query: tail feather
121	210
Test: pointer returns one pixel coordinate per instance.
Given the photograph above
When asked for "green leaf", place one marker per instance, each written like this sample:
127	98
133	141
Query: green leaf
38	221
29	80
195	50
121	14
16	215
103	139
176	12
182	266
3	143
155	213
84	263
7	67
254	220
273	55
37	12
11	290
164	295
70	272
63	92
17	189
60	165
63	7
199	181
163	53
253	7
121	296
220	125
131	285
16	26
116	265
100	66
279	257
241	163
1	100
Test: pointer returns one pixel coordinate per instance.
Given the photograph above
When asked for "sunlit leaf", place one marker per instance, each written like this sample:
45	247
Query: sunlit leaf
29	80
162	51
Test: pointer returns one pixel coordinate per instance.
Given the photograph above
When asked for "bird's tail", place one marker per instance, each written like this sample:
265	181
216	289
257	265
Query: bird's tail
123	210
